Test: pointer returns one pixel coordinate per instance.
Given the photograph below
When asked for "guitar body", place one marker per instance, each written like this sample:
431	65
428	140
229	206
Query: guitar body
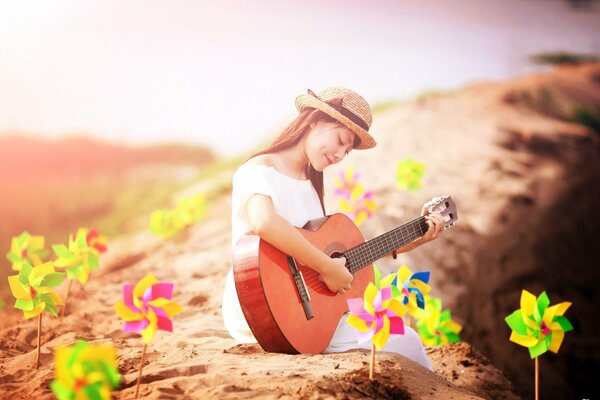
269	296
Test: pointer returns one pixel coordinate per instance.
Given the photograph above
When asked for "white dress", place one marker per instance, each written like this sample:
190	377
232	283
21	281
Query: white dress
298	209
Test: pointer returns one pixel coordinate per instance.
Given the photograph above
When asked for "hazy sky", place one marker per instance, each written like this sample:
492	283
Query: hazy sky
225	73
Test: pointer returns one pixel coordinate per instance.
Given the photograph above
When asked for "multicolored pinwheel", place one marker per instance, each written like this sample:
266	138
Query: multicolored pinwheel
191	210
168	223
164	223
32	289
538	327
95	240
435	325
409	174
360	206
411	288
346	182
376	316
147	307
26	248
85	371
82	254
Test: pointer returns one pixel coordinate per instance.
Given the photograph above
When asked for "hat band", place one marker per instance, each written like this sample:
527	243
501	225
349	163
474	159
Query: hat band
337	105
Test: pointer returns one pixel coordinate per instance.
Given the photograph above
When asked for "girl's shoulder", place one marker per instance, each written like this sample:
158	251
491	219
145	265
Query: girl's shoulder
261	159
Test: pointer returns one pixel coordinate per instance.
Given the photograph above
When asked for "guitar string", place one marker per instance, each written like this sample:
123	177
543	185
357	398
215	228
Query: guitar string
376	248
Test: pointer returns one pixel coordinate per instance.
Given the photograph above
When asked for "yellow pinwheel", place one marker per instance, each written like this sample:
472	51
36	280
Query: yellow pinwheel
80	257
376	316
435	325
359	205
537	326
147	307
409	174
85	371
345	182
32	289
411	288
191	210
26	248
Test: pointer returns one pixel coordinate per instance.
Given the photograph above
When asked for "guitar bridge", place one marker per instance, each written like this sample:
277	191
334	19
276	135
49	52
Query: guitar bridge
301	287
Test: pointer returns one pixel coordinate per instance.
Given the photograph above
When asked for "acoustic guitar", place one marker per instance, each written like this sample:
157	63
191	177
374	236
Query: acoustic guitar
288	308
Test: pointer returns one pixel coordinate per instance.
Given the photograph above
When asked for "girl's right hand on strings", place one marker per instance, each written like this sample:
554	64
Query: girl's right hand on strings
336	276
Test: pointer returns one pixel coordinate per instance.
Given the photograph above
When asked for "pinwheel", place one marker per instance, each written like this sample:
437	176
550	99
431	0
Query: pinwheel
435	325
164	223
32	289
346	182
85	371
26	249
377	316
147	307
359	205
539	327
191	210
411	288
96	240
80	257
409	174
168	223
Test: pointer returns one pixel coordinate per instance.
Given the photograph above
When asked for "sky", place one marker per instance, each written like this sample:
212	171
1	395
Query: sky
225	74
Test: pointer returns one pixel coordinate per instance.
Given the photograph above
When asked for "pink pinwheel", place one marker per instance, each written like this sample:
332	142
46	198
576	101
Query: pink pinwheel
147	307
377	316
346	182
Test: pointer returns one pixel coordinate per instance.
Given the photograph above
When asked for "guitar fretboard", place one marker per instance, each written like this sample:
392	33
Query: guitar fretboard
372	250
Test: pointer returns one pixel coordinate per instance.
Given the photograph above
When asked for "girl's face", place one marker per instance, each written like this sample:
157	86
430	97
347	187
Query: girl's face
328	143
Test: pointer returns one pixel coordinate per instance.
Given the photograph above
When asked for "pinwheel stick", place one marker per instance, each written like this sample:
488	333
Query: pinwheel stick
62	314
372	366
39	342
537	368
137	388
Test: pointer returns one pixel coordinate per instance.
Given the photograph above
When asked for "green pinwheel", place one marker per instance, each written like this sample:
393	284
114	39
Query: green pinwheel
79	258
537	326
26	248
85	371
435	325
191	210
164	223
409	174
32	289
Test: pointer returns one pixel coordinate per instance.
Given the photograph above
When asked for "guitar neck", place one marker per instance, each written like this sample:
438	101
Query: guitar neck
372	250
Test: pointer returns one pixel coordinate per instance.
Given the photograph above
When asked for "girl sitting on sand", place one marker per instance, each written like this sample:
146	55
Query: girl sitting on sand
281	188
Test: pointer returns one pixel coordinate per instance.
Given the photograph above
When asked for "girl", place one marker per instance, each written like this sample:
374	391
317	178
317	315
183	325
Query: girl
281	188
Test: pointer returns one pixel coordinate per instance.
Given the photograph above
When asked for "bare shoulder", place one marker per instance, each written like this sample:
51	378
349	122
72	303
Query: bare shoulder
262	159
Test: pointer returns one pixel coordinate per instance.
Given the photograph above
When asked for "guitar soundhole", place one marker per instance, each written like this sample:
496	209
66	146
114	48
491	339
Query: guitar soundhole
334	250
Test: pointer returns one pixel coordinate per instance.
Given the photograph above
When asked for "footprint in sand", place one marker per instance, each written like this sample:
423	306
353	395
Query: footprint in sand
174	372
198	300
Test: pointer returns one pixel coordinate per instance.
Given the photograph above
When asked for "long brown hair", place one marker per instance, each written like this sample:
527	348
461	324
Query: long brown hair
292	134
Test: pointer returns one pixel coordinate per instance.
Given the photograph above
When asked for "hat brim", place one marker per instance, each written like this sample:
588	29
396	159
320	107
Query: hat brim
307	101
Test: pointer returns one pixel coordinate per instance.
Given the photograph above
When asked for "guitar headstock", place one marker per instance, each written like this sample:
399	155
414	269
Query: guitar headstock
446	207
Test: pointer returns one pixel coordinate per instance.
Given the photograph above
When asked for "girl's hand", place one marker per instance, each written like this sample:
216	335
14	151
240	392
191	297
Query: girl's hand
436	225
336	276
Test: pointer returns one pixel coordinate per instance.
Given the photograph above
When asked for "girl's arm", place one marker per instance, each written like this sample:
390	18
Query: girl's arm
270	226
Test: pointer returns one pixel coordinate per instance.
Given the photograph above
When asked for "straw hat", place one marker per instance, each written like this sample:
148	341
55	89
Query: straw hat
346	106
